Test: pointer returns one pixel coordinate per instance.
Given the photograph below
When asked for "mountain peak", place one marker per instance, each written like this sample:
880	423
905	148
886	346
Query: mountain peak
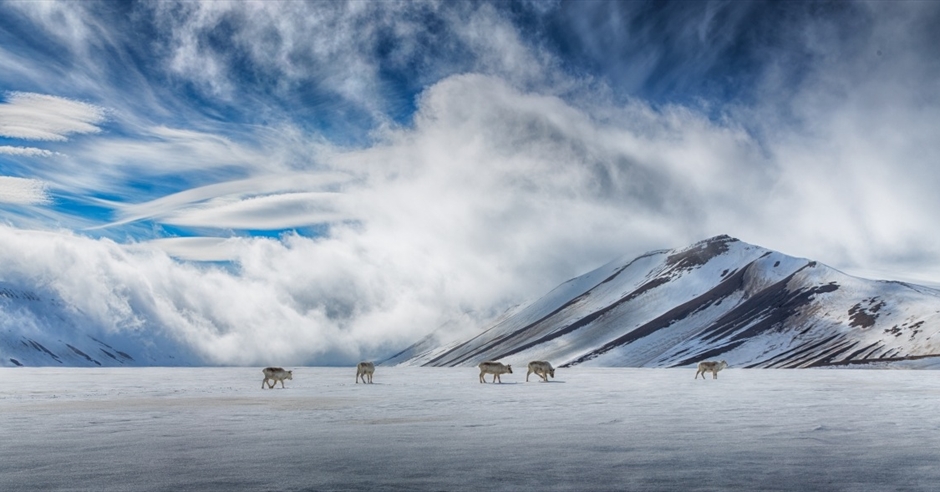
701	252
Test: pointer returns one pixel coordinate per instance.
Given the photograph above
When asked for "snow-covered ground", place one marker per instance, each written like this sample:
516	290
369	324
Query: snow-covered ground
128	429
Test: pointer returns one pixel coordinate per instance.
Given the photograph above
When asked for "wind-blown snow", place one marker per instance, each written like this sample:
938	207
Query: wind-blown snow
148	429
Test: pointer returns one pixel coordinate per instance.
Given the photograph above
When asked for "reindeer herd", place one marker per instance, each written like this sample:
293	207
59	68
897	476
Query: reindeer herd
541	368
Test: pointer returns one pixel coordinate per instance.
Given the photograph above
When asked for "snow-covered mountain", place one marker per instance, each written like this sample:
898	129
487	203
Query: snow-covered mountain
38	329
718	299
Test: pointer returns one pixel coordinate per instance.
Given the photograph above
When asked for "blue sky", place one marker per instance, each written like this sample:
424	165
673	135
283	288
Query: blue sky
369	171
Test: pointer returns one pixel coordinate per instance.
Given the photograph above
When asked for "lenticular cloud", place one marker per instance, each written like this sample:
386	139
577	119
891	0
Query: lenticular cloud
24	151
33	116
22	191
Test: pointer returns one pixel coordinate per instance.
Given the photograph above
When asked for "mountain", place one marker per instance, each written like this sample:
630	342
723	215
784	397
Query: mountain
38	329
720	298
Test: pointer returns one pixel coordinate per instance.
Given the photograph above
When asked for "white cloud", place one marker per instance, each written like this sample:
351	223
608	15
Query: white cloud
25	151
162	150
334	46
200	248
42	117
227	201
316	311
23	191
280	211
68	22
171	159
855	144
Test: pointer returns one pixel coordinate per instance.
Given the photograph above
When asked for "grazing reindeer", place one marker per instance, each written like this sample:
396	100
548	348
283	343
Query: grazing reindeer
275	374
494	368
710	366
541	368
364	369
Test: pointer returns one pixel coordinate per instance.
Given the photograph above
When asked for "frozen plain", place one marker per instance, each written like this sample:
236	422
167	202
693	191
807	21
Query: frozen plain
195	429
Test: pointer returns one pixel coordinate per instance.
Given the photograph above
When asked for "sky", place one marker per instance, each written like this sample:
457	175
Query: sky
319	182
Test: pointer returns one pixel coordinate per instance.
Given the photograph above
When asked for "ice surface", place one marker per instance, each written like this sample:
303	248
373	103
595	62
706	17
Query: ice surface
156	429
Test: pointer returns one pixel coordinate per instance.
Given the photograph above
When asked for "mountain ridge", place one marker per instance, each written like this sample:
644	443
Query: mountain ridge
720	297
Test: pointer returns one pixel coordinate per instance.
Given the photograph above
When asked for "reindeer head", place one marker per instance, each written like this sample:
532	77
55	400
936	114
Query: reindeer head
551	372
290	375
509	368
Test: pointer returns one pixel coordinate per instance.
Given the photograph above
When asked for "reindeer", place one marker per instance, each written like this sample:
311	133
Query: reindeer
494	368
275	374
541	368
710	366
364	369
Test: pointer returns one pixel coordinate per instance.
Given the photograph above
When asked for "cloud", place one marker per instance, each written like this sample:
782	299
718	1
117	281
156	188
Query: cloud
200	248
25	151
252	203
318	311
161	151
23	191
855	138
260	213
74	25
346	61
42	117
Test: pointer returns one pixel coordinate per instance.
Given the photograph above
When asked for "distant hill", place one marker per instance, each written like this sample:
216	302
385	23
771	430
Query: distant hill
720	298
37	329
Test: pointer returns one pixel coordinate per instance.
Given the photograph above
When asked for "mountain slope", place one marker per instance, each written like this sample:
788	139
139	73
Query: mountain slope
37	329
719	298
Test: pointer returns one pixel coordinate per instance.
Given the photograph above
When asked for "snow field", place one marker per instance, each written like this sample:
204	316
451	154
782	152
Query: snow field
155	429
